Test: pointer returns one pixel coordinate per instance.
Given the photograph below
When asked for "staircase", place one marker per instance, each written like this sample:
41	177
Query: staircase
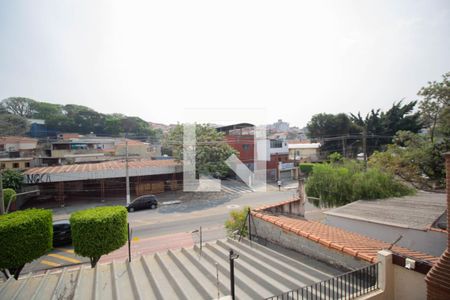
179	274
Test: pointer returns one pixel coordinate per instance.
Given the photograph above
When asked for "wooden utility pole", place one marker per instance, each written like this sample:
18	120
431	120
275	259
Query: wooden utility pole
365	147
343	147
127	177
2	203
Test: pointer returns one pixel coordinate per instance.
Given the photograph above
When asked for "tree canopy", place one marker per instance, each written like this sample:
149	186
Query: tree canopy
70	118
333	130
211	149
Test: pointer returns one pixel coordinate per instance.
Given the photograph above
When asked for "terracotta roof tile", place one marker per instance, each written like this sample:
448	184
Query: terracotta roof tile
109	165
351	243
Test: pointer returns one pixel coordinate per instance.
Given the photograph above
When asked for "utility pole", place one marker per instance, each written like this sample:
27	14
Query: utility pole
2	203
127	177
343	146
365	146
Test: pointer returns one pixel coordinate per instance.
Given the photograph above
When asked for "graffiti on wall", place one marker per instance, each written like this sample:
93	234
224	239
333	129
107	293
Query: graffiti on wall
37	178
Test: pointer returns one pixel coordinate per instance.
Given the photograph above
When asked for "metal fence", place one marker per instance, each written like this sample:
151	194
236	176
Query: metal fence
346	286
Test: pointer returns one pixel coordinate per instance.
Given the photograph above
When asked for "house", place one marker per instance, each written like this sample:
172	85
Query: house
304	152
14	163
97	181
241	138
82	149
17	146
411	219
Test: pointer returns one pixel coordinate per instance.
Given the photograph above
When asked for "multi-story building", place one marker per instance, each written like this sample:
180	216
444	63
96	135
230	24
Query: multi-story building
17	152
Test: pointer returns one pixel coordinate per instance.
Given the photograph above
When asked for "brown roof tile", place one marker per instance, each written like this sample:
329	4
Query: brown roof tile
351	243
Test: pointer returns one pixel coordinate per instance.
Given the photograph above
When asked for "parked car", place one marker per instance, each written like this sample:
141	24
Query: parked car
143	202
62	234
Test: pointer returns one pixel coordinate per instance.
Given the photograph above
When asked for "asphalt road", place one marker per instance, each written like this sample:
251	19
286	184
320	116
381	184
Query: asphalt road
168	220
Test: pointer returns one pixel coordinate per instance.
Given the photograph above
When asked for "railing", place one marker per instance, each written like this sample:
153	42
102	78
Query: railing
346	286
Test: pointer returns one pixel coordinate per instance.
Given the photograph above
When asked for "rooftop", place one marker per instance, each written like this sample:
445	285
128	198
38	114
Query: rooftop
350	243
108	169
16	139
418	212
179	274
304	146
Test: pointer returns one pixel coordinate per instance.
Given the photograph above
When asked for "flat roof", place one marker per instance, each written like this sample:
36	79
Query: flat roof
418	212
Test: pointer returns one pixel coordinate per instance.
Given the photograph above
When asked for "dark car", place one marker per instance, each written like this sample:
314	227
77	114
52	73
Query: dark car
143	202
62	234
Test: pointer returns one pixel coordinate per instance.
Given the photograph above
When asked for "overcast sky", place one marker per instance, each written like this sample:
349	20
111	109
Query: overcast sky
169	61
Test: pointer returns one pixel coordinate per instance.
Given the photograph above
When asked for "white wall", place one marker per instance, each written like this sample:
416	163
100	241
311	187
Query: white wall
431	242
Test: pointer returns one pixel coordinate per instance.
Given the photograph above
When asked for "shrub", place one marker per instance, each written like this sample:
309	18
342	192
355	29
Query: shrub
306	168
12	179
236	222
24	236
8	195
98	231
337	185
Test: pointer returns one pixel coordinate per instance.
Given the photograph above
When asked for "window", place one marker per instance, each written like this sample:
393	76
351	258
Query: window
15	165
2	166
2	147
276	144
245	147
27	165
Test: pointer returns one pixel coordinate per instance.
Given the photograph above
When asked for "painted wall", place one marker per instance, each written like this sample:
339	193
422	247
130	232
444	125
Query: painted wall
431	242
266	231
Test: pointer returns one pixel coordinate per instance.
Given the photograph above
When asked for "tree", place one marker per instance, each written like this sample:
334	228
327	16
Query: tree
329	128
13	124
98	231
413	158
12	179
19	106
236	224
435	107
25	235
211	149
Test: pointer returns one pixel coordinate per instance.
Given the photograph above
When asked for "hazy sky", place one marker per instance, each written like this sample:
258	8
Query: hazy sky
169	61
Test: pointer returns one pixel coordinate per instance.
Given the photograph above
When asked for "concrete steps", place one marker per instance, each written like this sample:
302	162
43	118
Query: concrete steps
179	274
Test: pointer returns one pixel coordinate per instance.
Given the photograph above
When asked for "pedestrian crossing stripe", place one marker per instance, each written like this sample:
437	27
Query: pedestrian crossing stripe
49	263
72	260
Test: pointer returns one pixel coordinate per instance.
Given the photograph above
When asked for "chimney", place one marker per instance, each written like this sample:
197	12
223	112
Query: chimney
438	279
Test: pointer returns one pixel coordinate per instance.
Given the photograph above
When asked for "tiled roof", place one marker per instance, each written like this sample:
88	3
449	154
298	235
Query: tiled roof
109	165
353	244
16	139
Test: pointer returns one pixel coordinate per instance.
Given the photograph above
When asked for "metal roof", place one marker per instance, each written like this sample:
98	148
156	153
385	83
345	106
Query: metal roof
179	274
108	169
419	211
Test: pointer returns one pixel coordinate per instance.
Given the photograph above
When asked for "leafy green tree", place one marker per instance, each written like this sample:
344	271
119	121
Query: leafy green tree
435	107
25	235
12	179
45	110
19	106
13	124
211	149
339	184
98	231
236	224
8	195
326	127
413	158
